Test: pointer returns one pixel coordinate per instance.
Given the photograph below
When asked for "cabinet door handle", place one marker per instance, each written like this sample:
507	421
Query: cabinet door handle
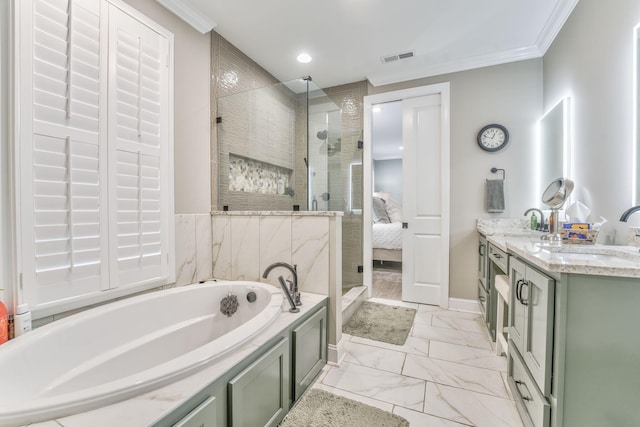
518	285
521	383
522	299
481	250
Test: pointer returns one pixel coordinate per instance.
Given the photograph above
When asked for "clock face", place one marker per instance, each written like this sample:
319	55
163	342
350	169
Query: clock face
493	137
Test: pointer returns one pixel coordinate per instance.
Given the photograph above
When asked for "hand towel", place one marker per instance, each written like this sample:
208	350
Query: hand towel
495	195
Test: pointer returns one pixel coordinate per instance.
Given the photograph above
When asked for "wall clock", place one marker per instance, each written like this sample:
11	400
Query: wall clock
493	137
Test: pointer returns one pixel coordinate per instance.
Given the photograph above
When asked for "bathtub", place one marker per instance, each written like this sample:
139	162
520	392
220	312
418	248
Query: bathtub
125	348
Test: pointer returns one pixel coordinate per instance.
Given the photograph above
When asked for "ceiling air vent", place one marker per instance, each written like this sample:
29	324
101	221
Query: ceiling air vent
396	57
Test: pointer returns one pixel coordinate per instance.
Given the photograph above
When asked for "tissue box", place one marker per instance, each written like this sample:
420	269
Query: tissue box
578	236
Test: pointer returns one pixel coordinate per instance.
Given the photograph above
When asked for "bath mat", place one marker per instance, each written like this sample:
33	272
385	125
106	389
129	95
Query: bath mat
381	322
319	408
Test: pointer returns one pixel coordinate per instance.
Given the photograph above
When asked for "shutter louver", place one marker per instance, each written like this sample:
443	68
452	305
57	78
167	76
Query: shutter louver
65	167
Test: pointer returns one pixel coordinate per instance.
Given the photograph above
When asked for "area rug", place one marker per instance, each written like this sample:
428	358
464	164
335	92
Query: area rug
319	408
381	322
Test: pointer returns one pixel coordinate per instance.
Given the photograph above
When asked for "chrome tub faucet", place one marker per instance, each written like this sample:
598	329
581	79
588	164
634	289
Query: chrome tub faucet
292	293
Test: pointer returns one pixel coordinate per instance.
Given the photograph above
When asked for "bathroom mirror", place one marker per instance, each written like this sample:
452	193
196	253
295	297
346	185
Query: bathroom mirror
554	143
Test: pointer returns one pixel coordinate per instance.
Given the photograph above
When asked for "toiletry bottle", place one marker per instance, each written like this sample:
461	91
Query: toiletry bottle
22	319
534	221
4	322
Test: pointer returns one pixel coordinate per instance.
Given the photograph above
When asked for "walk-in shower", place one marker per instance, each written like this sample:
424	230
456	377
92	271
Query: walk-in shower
275	148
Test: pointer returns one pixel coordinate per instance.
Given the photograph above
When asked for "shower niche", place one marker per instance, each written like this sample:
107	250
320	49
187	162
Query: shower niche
278	147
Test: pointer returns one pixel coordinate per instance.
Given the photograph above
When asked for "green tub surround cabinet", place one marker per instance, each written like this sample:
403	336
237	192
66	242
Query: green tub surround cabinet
261	388
574	352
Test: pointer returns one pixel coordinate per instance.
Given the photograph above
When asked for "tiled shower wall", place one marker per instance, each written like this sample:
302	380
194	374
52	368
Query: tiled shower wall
267	116
233	72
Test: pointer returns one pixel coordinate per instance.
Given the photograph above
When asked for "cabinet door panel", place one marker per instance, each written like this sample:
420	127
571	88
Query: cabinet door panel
517	310
310	355
259	395
539	296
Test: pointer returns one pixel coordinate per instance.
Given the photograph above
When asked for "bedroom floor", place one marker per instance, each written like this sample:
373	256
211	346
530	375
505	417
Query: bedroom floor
387	280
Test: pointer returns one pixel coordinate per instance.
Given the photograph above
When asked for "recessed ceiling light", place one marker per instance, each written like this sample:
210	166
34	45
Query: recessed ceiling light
401	148
304	58
376	109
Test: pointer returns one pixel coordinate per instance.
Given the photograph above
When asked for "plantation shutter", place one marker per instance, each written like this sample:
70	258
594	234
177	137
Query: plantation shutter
93	145
63	180
138	141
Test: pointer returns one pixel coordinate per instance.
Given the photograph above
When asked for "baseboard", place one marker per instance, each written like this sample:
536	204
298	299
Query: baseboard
460	304
335	353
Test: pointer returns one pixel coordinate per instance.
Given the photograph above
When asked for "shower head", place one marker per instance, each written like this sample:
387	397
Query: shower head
322	135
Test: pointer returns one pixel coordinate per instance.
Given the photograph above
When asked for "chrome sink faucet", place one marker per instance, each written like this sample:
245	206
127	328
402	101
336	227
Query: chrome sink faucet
626	214
292	293
541	224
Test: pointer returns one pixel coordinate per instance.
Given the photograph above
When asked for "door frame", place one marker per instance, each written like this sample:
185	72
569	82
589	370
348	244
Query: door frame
367	178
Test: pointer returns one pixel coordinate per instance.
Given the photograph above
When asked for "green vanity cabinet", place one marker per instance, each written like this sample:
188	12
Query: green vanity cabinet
310	351
260	394
574	351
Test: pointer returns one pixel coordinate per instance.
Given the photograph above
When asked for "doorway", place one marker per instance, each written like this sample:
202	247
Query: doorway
386	175
425	197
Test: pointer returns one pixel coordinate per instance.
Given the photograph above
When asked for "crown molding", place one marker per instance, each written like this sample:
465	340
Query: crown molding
555	23
189	14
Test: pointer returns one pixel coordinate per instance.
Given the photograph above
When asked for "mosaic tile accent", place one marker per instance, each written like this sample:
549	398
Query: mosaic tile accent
254	176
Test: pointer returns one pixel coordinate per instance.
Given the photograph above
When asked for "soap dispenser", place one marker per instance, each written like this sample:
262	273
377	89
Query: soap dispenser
22	319
534	221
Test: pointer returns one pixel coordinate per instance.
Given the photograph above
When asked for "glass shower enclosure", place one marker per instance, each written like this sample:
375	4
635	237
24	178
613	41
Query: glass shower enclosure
290	146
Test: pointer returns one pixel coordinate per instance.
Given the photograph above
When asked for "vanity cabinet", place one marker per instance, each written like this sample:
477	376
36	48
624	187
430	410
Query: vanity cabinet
573	347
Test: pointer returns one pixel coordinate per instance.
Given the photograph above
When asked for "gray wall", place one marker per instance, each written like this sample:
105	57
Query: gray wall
191	105
510	94
591	61
387	177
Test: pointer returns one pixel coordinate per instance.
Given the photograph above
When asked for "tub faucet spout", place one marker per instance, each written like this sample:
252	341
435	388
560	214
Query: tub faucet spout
292	293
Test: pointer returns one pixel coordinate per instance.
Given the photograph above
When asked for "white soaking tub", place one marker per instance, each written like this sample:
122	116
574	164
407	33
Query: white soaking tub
125	348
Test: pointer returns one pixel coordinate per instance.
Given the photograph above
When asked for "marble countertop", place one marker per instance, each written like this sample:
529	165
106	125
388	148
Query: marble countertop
149	408
279	213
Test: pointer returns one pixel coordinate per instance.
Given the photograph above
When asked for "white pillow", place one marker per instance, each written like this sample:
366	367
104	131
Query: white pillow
383	195
394	210
378	211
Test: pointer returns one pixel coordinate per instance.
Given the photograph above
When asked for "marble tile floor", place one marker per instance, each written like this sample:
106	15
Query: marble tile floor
445	375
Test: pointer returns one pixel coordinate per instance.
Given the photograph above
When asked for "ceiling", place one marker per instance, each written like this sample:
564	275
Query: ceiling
348	38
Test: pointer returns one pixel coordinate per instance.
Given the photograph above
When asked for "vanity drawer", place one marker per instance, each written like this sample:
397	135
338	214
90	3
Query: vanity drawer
534	409
499	257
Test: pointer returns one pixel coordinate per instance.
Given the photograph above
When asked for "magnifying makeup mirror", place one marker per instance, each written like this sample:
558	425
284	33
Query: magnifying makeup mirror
555	196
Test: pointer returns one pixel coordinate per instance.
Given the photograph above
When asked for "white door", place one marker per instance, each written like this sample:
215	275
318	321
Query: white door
425	240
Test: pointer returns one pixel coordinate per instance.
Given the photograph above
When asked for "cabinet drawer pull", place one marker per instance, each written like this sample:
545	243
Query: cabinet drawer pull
523	397
497	255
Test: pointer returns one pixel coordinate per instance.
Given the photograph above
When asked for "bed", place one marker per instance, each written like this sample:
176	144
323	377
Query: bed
386	231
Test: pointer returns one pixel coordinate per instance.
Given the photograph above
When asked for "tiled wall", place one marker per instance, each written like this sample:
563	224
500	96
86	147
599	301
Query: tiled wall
246	243
193	249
